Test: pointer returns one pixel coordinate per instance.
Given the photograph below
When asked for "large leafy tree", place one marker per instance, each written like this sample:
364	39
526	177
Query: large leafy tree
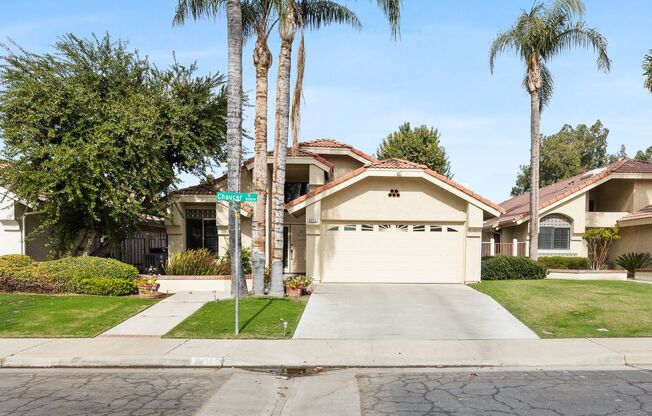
420	145
566	153
96	135
539	35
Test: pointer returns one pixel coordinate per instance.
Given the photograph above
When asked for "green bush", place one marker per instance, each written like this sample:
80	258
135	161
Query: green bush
194	263
512	268
246	260
565	263
11	261
107	287
90	275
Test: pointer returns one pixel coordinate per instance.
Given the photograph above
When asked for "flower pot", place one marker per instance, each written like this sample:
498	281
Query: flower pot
294	292
149	291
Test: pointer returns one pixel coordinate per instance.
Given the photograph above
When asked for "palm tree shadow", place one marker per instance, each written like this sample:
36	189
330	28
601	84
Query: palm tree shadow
269	302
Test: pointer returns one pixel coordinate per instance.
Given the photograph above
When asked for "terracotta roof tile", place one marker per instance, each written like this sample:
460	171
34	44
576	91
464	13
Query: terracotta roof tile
519	207
334	144
393	164
641	214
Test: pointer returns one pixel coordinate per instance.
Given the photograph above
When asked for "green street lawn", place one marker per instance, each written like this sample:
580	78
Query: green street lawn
568	309
61	316
260	318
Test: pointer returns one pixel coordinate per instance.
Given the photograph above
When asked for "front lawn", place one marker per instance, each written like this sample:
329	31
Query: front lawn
260	318
568	309
48	316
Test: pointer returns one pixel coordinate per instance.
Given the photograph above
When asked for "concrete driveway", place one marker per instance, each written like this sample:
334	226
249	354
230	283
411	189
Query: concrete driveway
409	311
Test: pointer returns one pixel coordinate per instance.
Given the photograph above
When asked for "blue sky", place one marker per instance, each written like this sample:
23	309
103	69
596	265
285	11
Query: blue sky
361	85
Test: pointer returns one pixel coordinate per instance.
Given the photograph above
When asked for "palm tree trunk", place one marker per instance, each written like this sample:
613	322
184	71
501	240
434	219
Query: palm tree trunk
262	61
288	30
234	132
535	120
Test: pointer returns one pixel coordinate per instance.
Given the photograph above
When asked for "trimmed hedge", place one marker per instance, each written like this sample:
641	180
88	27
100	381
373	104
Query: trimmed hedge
83	275
512	268
565	263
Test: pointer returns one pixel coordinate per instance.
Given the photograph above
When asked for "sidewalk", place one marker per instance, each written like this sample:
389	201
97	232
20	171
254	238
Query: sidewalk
160	318
154	352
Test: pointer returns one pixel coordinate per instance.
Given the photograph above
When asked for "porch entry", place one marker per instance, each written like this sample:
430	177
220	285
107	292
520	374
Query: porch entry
201	229
294	248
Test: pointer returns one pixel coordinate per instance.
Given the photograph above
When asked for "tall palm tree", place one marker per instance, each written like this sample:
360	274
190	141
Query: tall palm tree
539	35
211	8
300	14
294	14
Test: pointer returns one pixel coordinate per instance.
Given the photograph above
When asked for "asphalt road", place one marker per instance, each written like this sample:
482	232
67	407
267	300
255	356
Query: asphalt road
413	392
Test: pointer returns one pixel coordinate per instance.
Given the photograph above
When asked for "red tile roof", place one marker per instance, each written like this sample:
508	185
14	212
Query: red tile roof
643	213
305	150
393	164
519	207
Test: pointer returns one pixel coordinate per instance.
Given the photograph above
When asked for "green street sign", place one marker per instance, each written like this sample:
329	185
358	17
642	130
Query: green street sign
236	196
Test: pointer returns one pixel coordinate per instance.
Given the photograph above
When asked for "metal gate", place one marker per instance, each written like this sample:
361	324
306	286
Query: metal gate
143	250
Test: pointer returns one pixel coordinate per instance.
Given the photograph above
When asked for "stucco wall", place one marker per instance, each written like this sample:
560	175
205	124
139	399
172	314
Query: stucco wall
614	196
633	239
367	200
343	164
642	194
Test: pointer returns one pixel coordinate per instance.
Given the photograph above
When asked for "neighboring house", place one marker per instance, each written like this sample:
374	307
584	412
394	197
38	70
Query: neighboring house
618	194
17	221
351	218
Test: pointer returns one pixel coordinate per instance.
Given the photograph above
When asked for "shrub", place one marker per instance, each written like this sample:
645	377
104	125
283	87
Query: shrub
90	275
11	261
193	263
633	261
107	287
246	260
565	263
512	268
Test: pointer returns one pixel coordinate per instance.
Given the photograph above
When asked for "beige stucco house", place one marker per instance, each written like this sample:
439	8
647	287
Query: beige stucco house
17	221
352	218
618	194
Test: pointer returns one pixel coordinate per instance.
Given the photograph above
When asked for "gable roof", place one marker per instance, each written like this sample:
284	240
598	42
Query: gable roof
397	164
518	208
308	149
326	143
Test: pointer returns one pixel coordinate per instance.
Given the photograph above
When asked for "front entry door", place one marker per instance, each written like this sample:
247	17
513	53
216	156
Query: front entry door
294	250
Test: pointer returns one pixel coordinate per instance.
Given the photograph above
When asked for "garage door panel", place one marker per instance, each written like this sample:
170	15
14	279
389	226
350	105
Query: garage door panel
393	255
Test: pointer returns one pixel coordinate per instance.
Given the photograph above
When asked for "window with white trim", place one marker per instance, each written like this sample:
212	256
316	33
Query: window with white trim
350	227
435	229
334	228
418	228
366	227
384	227
402	227
451	230
554	233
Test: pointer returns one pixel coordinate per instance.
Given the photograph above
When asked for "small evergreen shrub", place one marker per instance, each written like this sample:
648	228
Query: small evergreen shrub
12	261
565	263
512	268
107	287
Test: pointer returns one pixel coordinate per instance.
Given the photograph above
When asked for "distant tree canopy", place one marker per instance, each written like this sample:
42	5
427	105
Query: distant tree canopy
644	154
647	68
95	136
418	145
566	153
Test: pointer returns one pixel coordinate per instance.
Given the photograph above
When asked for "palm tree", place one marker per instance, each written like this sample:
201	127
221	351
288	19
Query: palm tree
211	8
647	67
539	35
294	14
301	14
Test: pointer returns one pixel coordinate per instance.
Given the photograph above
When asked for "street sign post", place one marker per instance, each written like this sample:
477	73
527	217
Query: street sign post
235	199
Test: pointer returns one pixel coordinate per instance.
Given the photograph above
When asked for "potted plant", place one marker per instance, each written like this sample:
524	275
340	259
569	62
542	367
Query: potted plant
295	285
147	284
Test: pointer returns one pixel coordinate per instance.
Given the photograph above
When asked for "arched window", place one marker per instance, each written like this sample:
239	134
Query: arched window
554	233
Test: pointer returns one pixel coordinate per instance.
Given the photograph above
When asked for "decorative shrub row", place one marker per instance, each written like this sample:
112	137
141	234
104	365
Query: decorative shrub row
204	263
512	268
83	275
565	263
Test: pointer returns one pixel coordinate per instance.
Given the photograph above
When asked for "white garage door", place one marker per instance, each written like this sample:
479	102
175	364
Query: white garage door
392	253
